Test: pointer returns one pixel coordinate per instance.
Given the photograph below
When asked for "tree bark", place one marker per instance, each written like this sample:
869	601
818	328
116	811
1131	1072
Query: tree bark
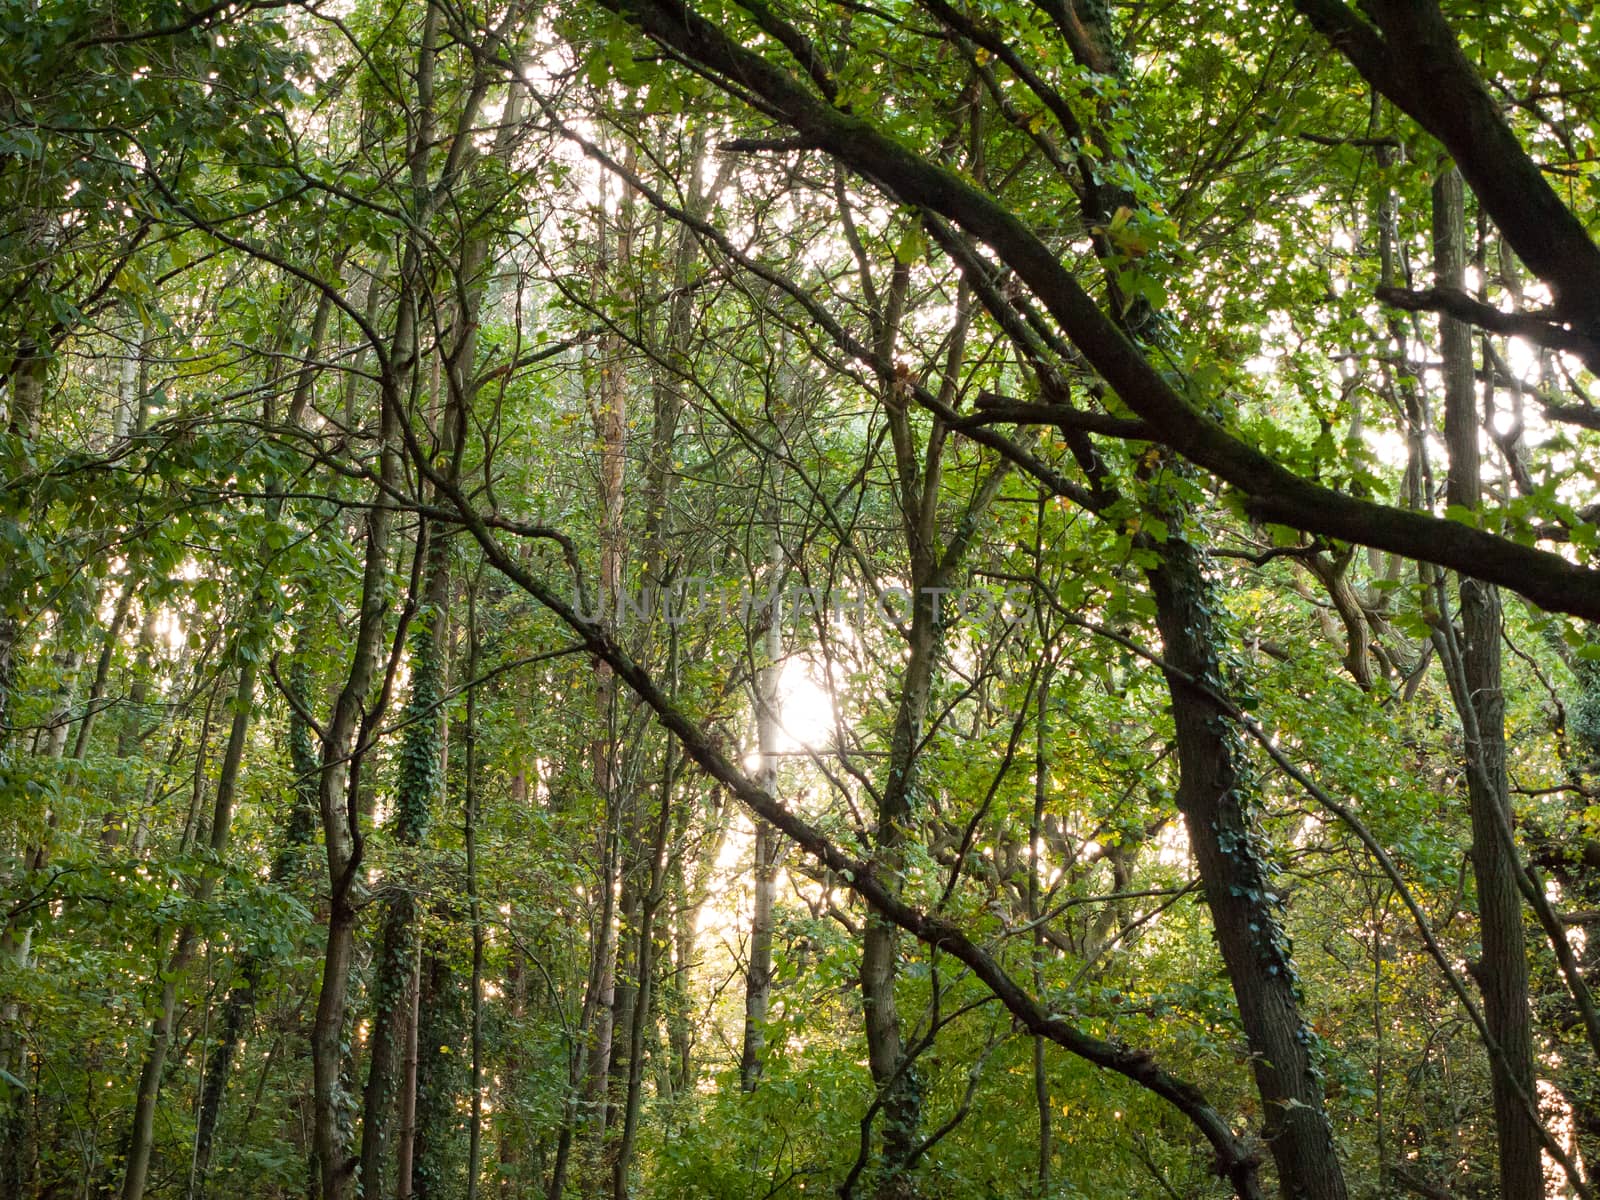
474	904
416	789
405	1157
1502	972
758	970
338	791
643	1014
1238	885
442	1017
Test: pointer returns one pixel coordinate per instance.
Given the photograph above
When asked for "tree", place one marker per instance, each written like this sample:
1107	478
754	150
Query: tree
957	600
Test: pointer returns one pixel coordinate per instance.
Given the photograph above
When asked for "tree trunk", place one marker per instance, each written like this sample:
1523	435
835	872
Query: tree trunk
242	996
141	1134
418	785
1041	791
898	1081
1502	972
302	812
1238	885
405	1157
338	790
442	1017
758	973
608	411
642	1014
469	821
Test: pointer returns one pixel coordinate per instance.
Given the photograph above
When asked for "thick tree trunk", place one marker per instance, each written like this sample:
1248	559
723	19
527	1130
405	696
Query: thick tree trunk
1239	887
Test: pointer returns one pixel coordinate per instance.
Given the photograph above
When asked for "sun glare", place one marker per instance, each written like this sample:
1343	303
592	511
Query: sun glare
805	708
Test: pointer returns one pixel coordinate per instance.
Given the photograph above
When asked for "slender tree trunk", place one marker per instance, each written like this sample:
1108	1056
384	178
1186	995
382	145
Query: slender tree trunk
141	1135
340	785
405	1157
758	973
609	414
474	905
898	1081
1502	972
643	1013
128	738
102	670
338	789
680	1022
301	820
931	568
511	1136
1041	791
627	984
416	789
597	997
241	1001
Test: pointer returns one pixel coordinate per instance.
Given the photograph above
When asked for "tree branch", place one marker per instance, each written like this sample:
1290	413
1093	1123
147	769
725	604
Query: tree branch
1537	328
1272	492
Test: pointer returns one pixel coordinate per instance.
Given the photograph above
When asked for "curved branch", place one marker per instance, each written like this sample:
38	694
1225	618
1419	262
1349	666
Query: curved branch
1271	492
1235	1160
